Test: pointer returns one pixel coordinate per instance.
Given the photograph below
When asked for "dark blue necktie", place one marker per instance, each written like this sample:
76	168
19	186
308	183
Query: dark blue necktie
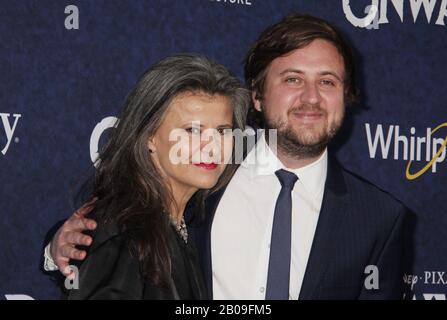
280	246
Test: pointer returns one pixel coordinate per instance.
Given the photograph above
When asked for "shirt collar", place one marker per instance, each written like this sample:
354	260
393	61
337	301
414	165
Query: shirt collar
262	161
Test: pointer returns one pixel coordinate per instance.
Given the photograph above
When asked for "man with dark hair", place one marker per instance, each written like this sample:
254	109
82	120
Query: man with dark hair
294	32
293	224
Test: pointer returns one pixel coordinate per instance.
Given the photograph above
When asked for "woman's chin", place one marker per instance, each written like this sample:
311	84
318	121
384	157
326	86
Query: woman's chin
204	182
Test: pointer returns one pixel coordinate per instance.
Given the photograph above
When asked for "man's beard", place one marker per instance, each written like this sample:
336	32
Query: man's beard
302	145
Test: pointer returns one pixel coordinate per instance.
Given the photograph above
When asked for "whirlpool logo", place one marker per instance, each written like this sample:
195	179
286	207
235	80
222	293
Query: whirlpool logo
412	146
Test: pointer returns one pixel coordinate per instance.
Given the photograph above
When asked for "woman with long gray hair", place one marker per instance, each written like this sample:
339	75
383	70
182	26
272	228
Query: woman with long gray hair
156	160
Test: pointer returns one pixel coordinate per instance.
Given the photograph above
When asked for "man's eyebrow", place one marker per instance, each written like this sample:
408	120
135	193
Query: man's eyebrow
291	71
322	73
325	73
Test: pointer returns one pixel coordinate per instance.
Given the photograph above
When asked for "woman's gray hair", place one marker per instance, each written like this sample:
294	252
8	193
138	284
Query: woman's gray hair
187	73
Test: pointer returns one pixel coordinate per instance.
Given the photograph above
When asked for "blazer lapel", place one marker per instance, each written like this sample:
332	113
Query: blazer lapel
202	237
331	214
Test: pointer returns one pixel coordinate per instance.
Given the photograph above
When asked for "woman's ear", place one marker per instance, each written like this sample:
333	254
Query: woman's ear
151	145
256	98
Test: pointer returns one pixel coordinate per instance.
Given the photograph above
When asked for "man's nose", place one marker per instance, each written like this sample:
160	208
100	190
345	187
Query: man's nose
311	94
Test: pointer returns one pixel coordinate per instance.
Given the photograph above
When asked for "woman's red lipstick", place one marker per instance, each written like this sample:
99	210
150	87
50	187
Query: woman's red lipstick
207	166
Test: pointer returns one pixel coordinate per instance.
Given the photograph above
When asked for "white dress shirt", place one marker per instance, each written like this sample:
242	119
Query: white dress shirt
242	226
48	262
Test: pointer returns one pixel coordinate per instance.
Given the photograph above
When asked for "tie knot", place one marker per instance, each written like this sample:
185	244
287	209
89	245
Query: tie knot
286	178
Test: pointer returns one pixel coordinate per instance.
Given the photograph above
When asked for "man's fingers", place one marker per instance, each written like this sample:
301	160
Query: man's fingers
71	275
62	246
63	267
72	253
77	238
79	224
86	208
83	211
67	271
89	224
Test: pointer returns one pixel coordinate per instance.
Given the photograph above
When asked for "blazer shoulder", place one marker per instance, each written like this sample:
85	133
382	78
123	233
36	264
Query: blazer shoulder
373	198
106	234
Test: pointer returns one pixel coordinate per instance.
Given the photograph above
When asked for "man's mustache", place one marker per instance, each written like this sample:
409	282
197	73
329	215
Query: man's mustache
306	108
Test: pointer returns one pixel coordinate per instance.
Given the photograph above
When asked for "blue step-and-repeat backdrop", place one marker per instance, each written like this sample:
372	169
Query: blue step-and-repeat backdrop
66	66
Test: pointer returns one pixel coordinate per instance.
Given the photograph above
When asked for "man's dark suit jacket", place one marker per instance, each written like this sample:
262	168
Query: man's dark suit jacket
359	225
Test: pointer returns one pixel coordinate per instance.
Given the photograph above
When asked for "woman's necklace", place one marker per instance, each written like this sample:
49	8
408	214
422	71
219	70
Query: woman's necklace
181	229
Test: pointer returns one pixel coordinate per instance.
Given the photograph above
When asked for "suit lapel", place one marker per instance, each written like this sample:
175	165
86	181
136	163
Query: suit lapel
204	243
331	214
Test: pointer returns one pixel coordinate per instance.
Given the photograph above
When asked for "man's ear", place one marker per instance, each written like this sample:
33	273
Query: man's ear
256	98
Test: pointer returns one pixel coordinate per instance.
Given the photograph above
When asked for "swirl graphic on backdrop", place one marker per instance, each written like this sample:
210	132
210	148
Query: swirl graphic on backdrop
413	176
